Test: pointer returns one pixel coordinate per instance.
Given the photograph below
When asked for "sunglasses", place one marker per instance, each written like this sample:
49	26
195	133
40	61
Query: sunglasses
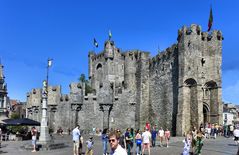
111	140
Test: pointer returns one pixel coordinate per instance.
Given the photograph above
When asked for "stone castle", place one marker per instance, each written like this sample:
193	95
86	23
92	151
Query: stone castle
176	89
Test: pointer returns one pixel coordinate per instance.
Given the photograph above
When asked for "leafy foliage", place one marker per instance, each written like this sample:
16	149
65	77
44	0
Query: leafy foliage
88	88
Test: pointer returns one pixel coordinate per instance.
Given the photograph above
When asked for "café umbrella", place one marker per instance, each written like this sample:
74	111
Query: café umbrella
21	121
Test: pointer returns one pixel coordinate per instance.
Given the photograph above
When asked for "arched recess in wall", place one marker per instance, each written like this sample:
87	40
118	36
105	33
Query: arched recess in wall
206	113
192	100
211	93
99	74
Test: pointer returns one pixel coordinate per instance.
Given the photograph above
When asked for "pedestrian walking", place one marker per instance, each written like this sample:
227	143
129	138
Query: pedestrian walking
199	143
89	148
104	138
231	130
34	138
236	138
76	140
187	144
146	136
129	140
116	149
138	140
161	135
154	135
167	136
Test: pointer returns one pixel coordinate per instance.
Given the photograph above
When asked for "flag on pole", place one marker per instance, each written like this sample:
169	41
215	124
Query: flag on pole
95	43
110	35
49	62
210	21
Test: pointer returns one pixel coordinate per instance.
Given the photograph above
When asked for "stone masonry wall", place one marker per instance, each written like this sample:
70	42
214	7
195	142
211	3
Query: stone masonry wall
170	90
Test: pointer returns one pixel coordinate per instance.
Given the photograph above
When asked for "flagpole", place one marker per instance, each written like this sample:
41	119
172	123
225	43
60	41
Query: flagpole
47	74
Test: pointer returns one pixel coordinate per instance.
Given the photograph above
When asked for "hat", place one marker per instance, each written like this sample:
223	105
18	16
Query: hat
91	137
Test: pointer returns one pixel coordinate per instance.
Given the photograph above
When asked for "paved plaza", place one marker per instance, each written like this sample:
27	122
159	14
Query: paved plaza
220	146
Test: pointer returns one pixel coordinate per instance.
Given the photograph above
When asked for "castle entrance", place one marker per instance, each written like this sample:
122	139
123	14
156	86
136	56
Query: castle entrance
205	113
192	100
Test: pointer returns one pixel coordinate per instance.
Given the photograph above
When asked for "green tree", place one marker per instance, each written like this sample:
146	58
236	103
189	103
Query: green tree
82	78
15	116
88	88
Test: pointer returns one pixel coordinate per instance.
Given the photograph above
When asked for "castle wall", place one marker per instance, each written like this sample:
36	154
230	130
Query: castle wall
172	89
142	94
163	85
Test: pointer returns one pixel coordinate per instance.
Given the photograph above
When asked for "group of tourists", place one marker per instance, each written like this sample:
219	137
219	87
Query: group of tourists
142	140
193	140
123	142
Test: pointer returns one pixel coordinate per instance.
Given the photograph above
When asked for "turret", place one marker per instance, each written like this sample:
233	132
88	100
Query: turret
109	49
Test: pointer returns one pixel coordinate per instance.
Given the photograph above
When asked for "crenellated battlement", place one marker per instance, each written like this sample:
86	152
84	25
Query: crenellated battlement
76	87
215	35
163	56
136	55
196	30
90	97
132	85
64	98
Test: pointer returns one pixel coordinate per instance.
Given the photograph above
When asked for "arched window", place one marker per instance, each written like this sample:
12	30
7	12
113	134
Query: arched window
98	66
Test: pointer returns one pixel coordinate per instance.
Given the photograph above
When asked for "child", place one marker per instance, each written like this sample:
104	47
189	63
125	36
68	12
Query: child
187	145
89	147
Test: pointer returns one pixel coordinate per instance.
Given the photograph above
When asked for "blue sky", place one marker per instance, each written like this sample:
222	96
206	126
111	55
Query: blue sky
33	30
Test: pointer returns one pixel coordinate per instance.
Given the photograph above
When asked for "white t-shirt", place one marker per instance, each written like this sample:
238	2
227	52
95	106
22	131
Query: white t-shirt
76	134
146	136
161	133
119	151
236	133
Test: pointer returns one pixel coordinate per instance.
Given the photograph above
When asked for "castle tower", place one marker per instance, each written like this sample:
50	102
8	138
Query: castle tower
199	57
3	94
109	49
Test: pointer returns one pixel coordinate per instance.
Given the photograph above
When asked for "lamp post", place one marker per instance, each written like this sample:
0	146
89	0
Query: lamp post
44	131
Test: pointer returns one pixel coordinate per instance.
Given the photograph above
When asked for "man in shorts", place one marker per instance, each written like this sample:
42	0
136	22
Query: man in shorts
76	140
146	136
34	138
